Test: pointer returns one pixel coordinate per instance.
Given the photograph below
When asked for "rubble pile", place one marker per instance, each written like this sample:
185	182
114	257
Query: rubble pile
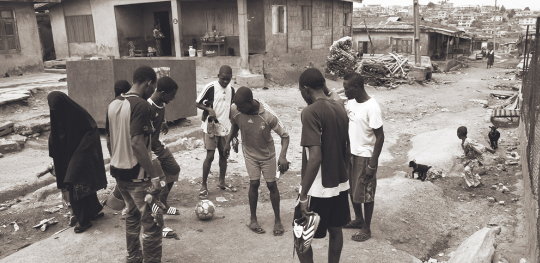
385	70
342	58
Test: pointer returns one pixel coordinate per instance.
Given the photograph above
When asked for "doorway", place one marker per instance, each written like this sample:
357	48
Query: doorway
162	20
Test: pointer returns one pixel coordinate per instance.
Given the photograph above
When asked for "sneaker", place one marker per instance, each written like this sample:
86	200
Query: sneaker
304	230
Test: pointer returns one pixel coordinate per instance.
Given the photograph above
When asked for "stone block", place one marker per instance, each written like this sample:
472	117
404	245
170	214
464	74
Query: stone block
9	146
6	128
478	248
250	81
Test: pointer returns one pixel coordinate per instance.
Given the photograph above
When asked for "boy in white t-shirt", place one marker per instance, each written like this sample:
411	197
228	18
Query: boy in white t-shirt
367	137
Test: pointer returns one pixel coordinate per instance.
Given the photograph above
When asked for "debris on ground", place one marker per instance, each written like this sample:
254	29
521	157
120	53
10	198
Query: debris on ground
387	70
6	128
479	247
15	226
221	199
45	223
342	58
53	209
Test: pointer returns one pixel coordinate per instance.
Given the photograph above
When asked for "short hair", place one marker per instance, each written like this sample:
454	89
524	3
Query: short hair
355	79
121	86
312	78
225	69
144	73
243	94
462	130
167	85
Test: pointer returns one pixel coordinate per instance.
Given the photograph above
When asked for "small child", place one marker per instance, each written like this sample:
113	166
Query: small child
473	157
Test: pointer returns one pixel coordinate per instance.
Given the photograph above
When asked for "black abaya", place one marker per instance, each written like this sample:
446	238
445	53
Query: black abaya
75	147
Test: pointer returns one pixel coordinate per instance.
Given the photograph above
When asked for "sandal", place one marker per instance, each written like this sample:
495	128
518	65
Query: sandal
278	230
170	211
227	187
203	193
361	236
256	229
356	224
169	233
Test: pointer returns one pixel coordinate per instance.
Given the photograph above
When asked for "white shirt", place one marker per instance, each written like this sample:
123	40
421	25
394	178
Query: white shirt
363	118
318	190
222	107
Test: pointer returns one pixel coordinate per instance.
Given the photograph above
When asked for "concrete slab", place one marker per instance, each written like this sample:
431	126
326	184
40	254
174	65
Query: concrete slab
250	81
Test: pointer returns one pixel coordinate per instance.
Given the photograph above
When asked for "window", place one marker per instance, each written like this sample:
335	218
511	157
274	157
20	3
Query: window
347	19
80	29
8	31
306	17
279	19
328	14
401	45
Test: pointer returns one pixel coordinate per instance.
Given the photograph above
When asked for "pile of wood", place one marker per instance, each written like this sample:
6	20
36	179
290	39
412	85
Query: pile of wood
385	70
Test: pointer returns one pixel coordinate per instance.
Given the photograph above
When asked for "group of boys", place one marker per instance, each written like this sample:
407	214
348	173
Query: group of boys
341	139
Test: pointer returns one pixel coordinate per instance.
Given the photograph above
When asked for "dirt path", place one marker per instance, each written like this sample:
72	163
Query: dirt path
420	123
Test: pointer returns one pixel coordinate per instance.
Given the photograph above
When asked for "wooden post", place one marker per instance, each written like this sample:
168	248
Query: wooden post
243	33
416	33
177	26
447	46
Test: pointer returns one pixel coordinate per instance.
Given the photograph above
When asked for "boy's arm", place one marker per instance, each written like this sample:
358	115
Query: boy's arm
141	154
377	149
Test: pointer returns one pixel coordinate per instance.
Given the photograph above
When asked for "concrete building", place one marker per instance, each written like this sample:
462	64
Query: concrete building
20	47
525	21
437	41
255	31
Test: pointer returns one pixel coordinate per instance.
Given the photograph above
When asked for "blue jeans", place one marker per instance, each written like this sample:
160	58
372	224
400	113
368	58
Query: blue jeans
139	215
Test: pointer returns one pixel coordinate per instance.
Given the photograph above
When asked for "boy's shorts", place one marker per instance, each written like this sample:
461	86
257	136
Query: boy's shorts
268	169
215	142
362	187
334	212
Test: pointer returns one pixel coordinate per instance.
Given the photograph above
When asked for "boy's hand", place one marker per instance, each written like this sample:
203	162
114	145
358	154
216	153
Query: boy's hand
235	143
283	164
165	128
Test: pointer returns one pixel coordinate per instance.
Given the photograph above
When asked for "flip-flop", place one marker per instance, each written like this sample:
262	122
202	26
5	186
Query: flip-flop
203	193
361	236
278	231
354	224
79	229
258	229
227	187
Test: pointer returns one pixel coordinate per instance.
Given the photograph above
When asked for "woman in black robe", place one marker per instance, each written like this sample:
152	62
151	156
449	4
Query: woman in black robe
75	147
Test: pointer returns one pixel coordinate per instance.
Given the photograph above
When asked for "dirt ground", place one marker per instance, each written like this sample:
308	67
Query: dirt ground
420	123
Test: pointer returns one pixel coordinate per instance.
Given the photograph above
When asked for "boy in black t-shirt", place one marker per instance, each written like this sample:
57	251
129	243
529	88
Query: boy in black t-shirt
165	93
325	159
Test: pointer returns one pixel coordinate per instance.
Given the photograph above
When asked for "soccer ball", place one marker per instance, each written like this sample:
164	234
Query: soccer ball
205	210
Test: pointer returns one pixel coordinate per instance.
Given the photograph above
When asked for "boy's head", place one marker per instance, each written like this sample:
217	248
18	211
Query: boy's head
311	79
462	132
353	83
243	99
145	77
225	75
121	86
166	88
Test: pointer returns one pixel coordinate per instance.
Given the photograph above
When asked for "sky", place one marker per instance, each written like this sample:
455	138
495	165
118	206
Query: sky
532	4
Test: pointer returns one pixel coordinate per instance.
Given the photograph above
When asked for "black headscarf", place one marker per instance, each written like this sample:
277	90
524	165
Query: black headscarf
74	145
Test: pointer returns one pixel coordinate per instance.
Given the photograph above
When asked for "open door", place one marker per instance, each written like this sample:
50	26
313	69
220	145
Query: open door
163	21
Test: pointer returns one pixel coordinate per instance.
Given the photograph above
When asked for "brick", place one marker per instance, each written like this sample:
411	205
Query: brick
9	146
6	128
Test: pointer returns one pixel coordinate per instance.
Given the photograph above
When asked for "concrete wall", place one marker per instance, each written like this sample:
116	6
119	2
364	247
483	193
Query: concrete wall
320	36
381	41
29	58
58	25
530	203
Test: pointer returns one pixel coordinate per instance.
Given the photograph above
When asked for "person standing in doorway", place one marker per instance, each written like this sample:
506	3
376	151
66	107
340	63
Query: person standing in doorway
325	161
129	128
158	36
215	101
367	138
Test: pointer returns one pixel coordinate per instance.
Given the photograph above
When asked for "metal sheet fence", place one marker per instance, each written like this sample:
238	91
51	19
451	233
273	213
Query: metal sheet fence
530	108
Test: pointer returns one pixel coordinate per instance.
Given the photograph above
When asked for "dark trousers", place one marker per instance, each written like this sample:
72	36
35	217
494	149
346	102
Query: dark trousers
86	208
139	216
